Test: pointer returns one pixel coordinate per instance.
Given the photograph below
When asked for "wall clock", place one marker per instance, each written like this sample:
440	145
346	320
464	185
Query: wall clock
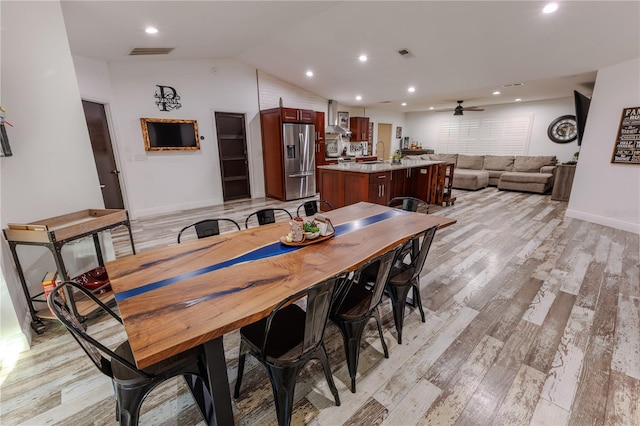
563	129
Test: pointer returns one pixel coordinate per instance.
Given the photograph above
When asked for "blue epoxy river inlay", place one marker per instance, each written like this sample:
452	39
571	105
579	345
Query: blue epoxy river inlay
270	250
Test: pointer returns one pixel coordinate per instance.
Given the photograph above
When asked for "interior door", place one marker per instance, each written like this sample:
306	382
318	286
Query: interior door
234	164
108	173
384	135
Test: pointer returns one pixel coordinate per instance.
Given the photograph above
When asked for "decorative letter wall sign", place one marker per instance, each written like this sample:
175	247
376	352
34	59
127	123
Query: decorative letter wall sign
167	98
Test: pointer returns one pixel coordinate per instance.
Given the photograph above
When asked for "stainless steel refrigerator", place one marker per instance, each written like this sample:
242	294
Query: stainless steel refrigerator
299	160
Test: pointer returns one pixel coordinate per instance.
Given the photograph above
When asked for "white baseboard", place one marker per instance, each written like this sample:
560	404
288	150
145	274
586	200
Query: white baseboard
606	221
175	207
10	346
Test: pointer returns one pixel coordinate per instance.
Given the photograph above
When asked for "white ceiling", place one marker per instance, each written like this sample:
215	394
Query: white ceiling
462	50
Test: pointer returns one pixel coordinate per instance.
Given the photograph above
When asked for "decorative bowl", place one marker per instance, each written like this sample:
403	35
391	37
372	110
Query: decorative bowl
311	235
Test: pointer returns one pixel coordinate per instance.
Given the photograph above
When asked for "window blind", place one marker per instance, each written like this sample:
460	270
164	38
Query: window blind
494	136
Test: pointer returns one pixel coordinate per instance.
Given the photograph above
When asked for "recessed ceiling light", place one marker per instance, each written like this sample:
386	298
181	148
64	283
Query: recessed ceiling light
362	58
431	108
151	30
358	98
550	8
309	73
497	92
404	104
518	99
411	89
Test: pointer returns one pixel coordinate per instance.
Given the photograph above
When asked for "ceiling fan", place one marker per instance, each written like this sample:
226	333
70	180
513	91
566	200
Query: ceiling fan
459	109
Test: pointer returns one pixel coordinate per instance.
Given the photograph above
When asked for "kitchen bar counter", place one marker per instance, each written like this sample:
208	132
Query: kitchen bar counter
378	182
379	166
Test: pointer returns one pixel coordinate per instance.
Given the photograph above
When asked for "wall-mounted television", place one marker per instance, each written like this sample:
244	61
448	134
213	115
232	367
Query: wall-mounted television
164	134
582	109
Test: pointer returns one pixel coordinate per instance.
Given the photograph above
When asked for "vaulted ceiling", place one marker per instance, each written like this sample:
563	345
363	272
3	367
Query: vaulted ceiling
459	49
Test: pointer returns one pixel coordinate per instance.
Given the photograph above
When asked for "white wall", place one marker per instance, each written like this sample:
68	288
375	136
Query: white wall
52	170
159	182
272	89
93	80
605	193
424	127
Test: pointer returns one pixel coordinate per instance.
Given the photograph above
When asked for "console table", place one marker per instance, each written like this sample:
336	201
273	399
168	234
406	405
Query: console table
54	233
563	182
404	152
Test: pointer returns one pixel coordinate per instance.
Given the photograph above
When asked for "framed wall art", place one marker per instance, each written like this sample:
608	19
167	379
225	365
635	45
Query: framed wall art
626	149
343	119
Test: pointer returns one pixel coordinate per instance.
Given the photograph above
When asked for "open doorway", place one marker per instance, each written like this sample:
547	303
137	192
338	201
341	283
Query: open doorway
108	173
384	136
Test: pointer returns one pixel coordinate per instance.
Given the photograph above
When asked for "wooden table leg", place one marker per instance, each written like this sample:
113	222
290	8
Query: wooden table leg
217	370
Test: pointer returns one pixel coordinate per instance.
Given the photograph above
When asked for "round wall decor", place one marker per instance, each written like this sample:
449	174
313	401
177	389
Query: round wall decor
563	129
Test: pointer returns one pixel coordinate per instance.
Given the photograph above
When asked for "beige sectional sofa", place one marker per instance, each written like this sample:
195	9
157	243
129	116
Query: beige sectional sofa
511	172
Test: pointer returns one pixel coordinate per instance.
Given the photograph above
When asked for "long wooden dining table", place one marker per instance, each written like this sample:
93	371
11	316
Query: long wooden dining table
178	297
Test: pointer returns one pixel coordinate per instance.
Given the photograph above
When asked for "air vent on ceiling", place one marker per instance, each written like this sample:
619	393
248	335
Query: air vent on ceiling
405	53
513	84
385	102
150	51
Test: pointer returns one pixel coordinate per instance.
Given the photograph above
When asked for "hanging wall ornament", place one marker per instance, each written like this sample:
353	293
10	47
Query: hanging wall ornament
167	98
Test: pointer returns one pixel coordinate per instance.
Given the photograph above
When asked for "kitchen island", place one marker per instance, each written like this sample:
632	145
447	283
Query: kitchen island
378	182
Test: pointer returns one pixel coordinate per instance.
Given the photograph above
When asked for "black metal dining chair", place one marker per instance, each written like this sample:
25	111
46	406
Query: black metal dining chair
312	207
409	204
132	385
287	339
207	227
266	216
356	304
406	276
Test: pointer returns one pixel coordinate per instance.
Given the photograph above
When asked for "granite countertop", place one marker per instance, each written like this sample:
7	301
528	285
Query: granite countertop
377	167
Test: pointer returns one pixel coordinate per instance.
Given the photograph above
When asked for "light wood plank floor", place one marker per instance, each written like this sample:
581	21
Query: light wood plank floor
532	318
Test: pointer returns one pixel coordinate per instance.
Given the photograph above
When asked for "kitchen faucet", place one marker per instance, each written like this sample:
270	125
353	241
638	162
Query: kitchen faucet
380	156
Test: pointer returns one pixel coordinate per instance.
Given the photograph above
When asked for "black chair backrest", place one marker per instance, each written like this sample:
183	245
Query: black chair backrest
319	299
313	207
417	263
208	227
410	204
382	267
94	349
266	216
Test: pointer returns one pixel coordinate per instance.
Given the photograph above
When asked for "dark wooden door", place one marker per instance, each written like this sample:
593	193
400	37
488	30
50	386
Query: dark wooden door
232	146
108	173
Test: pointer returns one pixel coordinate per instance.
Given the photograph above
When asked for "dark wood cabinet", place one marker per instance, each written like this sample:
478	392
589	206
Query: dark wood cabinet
333	184
342	187
424	179
359	127
355	188
364	159
401	184
321	148
292	115
318	121
321	151
379	190
272	152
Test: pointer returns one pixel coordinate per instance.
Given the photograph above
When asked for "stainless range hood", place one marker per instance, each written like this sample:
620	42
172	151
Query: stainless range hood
333	127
